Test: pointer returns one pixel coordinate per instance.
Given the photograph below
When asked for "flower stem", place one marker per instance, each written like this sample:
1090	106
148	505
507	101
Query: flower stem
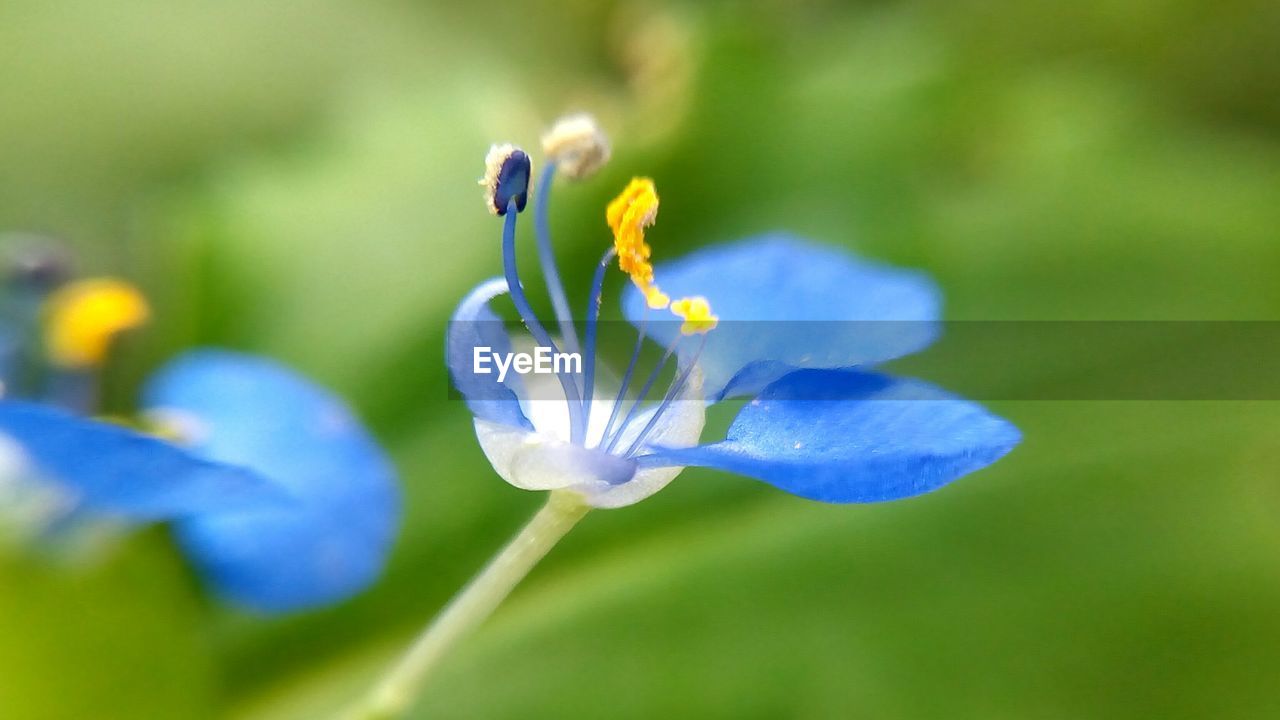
400	686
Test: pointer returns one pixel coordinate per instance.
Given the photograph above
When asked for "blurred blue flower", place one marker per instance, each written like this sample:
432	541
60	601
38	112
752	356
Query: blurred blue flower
796	327
331	535
274	490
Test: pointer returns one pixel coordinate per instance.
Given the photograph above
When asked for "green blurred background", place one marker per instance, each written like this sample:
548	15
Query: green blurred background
298	179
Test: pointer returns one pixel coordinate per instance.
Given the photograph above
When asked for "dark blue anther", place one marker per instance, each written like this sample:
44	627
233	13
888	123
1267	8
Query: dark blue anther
513	182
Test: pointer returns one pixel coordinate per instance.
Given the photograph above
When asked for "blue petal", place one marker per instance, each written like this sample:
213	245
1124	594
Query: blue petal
785	303
334	540
847	436
474	325
117	471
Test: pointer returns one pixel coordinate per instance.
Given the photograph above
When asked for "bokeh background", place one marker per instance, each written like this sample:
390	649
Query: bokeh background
298	179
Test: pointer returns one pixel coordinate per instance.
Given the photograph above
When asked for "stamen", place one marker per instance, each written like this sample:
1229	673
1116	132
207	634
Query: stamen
672	393
628	215
696	313
593	318
507	170
82	318
577	145
698	320
547	258
626	377
644	392
540	335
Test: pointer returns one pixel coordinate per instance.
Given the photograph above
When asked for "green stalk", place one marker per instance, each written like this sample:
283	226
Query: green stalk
402	684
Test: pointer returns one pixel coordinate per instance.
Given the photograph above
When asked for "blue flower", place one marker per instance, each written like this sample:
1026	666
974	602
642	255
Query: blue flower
792	326
332	536
274	490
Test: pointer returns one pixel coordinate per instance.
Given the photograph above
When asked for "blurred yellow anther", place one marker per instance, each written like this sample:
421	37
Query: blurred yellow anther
82	317
696	313
628	215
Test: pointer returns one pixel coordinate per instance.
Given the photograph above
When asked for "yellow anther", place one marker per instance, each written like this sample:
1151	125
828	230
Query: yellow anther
655	298
696	313
82	317
628	215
